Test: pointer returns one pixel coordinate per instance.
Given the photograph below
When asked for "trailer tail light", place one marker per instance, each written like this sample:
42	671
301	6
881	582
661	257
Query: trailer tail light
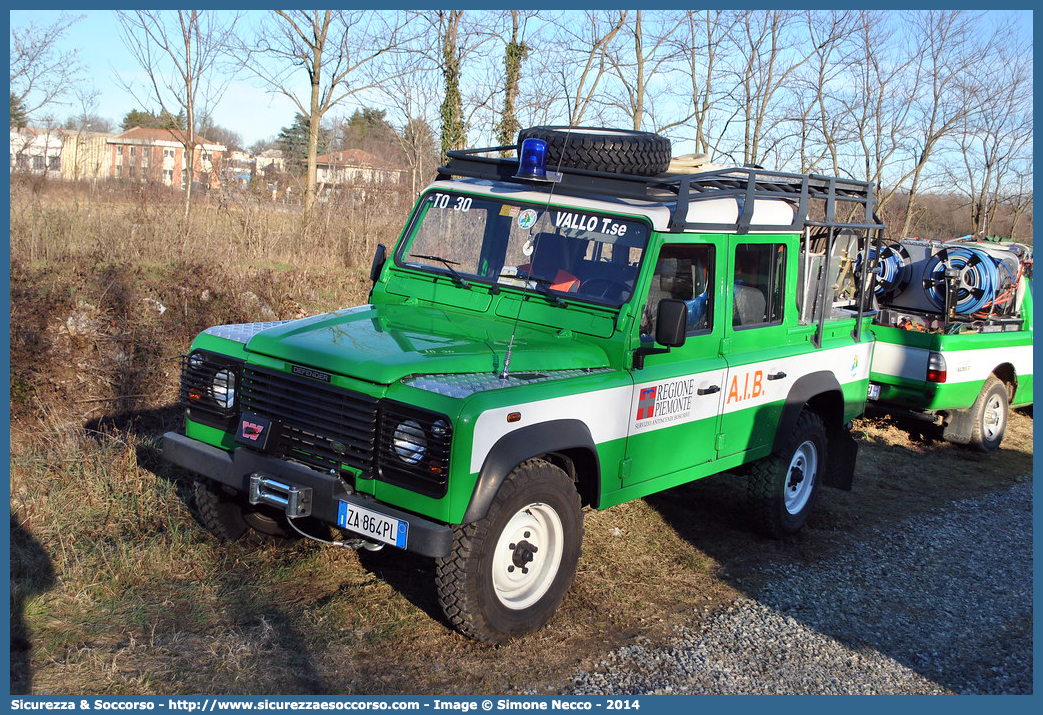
935	368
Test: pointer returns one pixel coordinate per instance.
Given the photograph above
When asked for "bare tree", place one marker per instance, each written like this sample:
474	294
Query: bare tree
704	33
586	46
764	39
878	102
42	73
411	92
822	122
340	51
950	45
996	142
180	52
1018	198
639	63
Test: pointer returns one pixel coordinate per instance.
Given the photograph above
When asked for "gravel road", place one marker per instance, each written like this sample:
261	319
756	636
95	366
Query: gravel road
939	603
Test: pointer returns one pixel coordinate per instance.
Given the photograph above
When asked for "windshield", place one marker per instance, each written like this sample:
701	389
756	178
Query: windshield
575	253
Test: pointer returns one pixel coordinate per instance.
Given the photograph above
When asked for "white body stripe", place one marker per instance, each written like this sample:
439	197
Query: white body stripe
900	361
960	365
975	365
613	413
605	412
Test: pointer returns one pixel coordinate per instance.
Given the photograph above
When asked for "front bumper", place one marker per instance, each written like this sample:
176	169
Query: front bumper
235	468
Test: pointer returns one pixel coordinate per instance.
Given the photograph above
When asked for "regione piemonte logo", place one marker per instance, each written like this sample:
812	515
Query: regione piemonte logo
646	403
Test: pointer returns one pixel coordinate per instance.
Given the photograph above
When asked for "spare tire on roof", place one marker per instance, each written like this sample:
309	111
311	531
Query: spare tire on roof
619	151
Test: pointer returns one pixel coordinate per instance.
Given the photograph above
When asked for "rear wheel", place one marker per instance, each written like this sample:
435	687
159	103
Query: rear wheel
618	151
989	416
784	486
508	572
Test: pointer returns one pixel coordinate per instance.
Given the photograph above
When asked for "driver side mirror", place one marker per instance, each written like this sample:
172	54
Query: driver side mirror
379	258
671	322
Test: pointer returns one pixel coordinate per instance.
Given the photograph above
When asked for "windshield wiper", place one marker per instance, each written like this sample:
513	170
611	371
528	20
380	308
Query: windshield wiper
459	279
542	286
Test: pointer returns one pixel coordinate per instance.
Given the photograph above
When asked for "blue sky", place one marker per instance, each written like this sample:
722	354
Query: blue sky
102	51
246	109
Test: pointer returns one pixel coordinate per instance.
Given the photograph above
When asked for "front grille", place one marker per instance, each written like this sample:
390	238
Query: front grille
196	389
320	425
424	470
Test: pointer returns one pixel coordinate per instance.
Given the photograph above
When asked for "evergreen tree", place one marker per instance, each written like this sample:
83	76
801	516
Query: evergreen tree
293	140
18	115
148	120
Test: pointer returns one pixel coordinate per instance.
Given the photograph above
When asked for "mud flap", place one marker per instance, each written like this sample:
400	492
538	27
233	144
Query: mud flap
840	459
957	426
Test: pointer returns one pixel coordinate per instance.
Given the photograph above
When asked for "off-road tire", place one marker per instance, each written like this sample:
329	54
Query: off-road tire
467	589
618	151
769	479
228	515
989	416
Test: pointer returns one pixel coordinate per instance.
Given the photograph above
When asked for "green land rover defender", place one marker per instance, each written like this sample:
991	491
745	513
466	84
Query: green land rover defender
572	328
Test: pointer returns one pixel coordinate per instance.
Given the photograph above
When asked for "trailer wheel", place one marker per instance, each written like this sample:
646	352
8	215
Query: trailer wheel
228	515
508	572
783	487
618	151
989	415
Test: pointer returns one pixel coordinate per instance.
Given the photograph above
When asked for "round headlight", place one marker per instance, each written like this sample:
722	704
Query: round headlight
410	442
222	389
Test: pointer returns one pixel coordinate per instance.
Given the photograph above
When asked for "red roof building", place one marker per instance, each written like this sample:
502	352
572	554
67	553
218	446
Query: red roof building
141	154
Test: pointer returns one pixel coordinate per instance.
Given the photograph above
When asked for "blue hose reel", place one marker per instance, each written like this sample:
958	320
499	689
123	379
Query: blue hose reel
980	279
893	270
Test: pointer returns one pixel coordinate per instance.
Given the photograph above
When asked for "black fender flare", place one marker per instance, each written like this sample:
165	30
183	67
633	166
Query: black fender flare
525	443
822	390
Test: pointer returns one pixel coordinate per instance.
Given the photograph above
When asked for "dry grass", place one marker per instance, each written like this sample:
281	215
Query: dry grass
116	589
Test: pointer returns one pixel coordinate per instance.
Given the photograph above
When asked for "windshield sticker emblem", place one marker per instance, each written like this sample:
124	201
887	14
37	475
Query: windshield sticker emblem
527	219
528	247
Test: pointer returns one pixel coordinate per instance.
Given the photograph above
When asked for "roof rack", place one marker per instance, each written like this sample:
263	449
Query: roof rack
853	200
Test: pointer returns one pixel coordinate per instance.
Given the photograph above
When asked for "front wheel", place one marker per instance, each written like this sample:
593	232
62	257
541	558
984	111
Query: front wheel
783	487
508	572
228	515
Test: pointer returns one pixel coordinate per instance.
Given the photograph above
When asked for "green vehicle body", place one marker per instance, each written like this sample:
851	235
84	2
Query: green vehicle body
583	389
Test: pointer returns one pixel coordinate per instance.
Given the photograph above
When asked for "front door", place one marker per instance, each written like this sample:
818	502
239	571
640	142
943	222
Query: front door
677	396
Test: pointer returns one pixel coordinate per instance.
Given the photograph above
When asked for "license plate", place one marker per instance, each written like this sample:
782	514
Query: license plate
874	391
373	525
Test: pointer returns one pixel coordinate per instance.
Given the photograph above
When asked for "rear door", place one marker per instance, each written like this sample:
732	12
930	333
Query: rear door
761	342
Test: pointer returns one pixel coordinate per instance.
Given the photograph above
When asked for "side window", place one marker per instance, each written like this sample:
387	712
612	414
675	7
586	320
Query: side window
684	272
759	285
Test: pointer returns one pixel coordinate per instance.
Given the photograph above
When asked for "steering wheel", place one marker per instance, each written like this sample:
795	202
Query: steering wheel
606	291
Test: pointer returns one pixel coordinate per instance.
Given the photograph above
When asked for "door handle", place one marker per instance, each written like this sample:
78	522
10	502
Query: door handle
776	376
708	390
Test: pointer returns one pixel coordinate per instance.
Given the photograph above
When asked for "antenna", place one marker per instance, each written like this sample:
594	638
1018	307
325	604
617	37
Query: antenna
546	208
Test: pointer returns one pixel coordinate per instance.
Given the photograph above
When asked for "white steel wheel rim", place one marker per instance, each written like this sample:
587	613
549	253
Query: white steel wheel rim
992	418
800	477
527	556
